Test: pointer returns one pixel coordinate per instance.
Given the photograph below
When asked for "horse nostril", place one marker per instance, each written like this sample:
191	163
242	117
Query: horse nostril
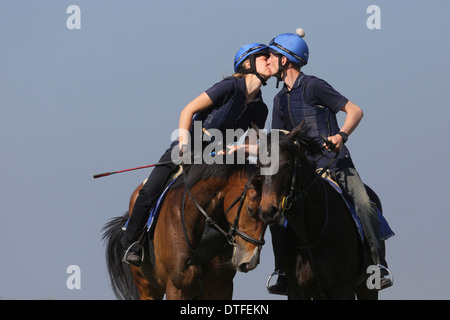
243	267
269	215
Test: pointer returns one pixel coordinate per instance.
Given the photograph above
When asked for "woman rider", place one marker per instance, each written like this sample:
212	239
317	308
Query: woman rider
233	103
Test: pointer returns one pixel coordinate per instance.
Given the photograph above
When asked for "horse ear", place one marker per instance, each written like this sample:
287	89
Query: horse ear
296	131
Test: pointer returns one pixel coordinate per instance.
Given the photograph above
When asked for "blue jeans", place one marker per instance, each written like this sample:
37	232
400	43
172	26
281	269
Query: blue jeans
366	210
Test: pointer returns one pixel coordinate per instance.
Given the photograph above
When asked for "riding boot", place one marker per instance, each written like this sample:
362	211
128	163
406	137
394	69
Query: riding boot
141	210
280	287
135	253
135	231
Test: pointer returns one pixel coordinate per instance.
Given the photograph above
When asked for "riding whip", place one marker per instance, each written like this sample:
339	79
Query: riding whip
105	174
99	175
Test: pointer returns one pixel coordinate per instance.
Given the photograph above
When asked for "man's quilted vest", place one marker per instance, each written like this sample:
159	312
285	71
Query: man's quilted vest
295	109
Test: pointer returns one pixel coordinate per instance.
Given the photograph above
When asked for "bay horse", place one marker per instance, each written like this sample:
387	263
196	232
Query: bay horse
324	257
224	194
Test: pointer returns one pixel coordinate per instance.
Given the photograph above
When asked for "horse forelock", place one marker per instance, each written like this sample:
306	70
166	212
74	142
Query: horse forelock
287	144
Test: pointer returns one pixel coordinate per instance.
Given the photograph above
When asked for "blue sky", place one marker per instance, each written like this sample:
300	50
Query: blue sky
108	96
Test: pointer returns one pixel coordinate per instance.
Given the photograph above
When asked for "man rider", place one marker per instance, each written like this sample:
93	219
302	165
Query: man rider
309	98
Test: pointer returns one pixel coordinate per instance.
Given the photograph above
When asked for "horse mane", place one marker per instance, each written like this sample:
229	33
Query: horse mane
300	143
195	172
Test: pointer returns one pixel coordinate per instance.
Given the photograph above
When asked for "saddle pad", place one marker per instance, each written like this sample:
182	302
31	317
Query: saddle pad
151	222
385	230
154	212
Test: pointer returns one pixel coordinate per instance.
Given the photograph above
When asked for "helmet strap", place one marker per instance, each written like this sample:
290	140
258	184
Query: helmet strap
252	70
278	82
260	77
281	68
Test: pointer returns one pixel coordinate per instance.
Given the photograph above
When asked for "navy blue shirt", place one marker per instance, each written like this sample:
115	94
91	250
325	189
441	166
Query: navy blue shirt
317	92
230	109
254	111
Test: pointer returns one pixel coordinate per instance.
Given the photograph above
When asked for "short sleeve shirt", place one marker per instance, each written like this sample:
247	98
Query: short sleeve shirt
317	92
256	111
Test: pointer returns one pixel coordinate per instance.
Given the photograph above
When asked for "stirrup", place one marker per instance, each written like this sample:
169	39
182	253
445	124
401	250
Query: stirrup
389	275
275	273
124	259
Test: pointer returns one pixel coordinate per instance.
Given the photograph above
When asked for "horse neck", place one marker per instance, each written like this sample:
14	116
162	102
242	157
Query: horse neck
233	190
207	193
213	195
312	207
306	174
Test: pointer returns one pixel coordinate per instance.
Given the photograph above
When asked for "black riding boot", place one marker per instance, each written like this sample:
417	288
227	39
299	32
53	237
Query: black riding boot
135	229
141	210
280	287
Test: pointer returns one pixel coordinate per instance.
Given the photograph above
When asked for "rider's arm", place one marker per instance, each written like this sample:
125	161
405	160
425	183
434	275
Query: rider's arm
322	93
202	102
216	95
352	119
249	149
354	116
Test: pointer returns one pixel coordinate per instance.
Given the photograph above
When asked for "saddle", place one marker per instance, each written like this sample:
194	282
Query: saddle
212	241
154	212
385	230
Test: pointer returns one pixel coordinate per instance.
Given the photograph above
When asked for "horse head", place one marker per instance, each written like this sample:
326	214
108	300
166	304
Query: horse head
248	228
275	188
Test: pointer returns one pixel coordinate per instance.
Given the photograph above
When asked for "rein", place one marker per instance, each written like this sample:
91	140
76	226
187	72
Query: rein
234	229
287	201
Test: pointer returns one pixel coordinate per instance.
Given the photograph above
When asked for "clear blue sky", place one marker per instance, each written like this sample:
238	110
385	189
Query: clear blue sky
108	96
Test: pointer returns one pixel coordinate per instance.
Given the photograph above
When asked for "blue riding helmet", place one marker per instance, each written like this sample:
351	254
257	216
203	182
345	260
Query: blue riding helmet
247	50
292	46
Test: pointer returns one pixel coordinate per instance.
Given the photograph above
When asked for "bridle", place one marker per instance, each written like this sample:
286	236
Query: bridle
233	231
298	197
